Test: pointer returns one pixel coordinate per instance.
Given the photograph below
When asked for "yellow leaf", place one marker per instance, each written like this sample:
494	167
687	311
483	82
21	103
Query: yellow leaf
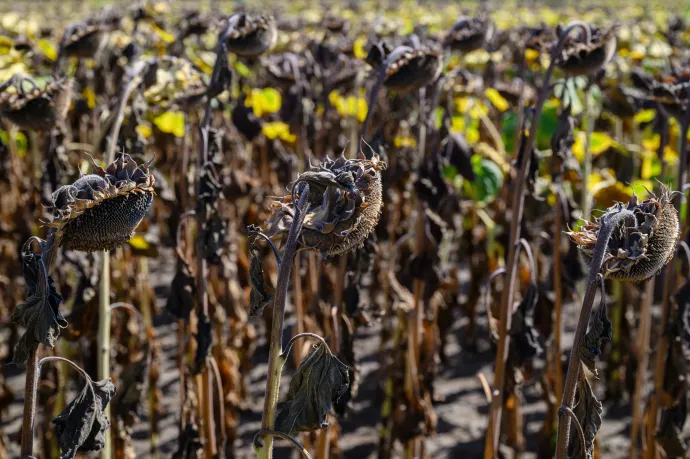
457	124
644	116
599	143
89	96
652	143
358	48
144	130
242	69
6	44
171	123
48	49
477	110
531	55
496	99
646	168
162	34
400	142
139	243
278	130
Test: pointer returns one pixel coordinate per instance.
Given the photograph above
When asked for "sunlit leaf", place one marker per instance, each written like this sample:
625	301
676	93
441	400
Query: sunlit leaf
162	34
358	48
401	141
496	99
6	44
47	48
139	242
278	130
171	123
89	96
242	69
644	116
144	130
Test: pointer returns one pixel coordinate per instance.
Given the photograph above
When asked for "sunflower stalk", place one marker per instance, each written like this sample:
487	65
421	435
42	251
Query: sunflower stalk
103	365
276	361
493	430
642	361
608	224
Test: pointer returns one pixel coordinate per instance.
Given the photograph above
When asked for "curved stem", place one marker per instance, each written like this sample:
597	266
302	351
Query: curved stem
258	445
132	309
571	415
608	225
493	430
275	362
286	352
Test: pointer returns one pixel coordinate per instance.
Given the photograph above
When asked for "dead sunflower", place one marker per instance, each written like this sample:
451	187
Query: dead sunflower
469	34
580	57
344	205
251	35
101	210
671	92
642	242
407	68
35	109
83	39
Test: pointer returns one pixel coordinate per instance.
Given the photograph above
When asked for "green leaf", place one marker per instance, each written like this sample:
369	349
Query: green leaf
488	178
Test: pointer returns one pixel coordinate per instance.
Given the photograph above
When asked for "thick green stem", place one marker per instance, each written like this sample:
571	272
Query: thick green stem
275	360
608	224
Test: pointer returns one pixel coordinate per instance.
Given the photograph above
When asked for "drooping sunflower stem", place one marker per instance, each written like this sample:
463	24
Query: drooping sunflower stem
493	430
275	360
608	224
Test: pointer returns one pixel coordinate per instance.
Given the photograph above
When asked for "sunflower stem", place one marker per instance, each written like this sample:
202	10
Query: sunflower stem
275	362
494	426
608	224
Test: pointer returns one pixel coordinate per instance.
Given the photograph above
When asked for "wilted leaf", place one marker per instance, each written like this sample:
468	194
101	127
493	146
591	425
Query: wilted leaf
600	329
182	290
524	337
39	314
588	411
670	432
82	424
320	380
258	298
204	341
189	442
127	404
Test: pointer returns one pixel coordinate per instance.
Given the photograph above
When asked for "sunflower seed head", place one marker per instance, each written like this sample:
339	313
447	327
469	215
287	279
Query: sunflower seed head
636	252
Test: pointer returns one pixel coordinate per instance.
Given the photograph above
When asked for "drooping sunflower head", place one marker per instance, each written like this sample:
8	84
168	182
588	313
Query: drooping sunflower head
101	210
639	247
407	68
35	108
344	205
469	34
251	35
579	57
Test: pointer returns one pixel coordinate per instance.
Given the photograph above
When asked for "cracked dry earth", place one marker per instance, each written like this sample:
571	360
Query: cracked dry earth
461	407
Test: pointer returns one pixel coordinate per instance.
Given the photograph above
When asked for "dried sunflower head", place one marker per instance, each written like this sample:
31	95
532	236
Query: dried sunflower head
469	34
251	35
639	247
85	38
101	210
671	92
35	109
581	58
407	68
344	205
